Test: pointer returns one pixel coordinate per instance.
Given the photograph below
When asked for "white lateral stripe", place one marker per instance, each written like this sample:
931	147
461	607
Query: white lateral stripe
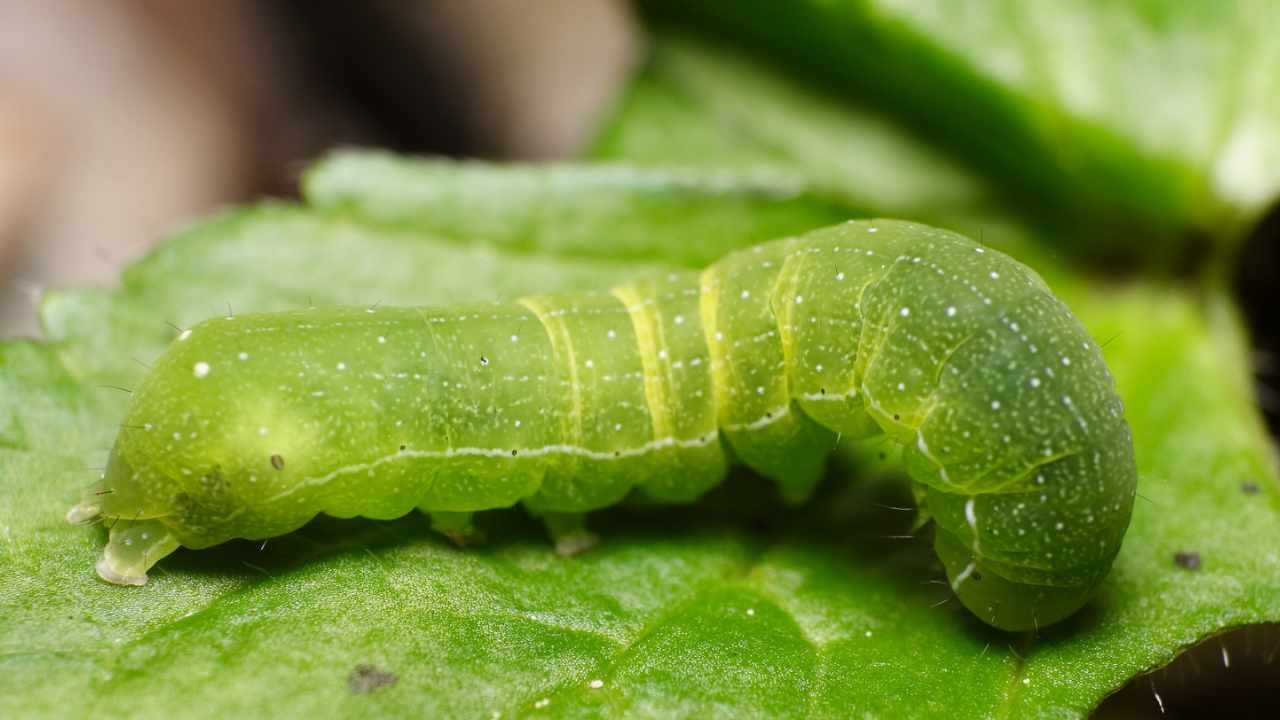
923	447
971	517
557	449
964	575
768	418
830	397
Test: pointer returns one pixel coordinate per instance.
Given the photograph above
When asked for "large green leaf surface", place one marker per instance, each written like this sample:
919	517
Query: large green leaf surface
733	607
1138	125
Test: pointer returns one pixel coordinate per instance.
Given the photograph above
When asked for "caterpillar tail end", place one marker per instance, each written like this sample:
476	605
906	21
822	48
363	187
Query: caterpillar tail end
1001	601
134	546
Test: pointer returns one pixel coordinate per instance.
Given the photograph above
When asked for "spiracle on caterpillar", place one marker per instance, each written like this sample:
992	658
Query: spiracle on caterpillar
250	425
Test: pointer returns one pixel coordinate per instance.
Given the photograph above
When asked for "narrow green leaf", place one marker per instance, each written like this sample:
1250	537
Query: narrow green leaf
698	103
689	215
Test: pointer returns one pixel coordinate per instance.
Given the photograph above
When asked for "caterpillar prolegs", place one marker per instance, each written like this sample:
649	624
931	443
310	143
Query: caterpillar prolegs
248	426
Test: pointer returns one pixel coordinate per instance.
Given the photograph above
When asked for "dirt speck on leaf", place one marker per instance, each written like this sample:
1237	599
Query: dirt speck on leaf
1187	560
368	678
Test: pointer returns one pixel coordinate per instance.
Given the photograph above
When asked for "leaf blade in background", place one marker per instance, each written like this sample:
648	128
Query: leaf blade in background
1155	119
690	215
696	102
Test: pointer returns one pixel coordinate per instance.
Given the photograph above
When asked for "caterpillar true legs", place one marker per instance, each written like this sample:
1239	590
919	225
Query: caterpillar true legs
249	426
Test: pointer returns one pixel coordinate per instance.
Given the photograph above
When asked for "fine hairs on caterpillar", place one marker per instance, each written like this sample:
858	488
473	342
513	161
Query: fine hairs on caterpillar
1011	429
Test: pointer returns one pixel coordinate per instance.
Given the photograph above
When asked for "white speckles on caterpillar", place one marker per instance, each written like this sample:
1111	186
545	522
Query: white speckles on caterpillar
1008	418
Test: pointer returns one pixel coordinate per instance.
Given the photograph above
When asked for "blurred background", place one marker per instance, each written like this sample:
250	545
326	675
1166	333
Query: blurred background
122	120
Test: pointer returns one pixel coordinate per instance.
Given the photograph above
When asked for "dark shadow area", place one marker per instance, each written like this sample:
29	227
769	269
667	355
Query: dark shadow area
1257	283
859	525
1234	675
867	520
365	59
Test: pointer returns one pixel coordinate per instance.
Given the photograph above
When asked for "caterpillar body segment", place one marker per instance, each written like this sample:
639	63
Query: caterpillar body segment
1008	418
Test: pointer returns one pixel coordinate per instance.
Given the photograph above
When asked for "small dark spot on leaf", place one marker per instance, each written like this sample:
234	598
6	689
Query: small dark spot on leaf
484	361
367	678
822	391
976	575
1189	560
768	416
896	416
277	462
214	480
402	447
514	452
1249	488
182	503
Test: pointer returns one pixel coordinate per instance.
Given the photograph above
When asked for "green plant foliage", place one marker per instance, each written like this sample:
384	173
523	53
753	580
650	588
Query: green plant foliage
699	611
701	103
1156	117
693	216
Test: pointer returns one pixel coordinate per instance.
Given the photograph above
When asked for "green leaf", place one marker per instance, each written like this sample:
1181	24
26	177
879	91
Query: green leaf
696	103
690	216
686	106
1157	118
648	208
731	607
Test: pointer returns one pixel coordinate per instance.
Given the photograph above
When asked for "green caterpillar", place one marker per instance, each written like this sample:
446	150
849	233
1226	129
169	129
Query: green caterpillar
1010	425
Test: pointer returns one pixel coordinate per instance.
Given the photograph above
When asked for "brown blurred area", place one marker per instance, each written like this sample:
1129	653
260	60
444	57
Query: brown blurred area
125	119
